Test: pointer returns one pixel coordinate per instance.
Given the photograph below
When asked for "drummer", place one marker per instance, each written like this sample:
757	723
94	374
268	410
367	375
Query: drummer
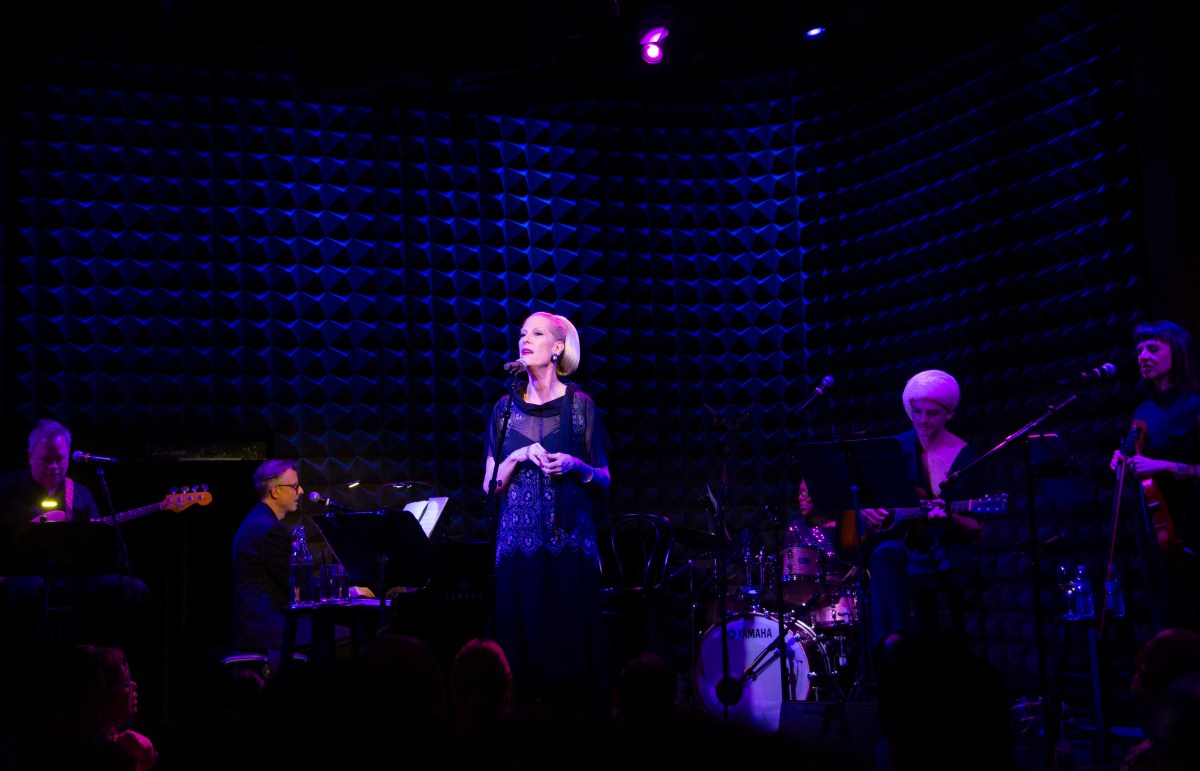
819	529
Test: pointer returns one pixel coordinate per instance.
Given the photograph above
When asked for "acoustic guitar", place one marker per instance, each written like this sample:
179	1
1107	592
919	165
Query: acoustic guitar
989	505
178	500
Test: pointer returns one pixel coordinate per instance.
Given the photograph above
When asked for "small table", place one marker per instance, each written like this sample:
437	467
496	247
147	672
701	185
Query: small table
325	617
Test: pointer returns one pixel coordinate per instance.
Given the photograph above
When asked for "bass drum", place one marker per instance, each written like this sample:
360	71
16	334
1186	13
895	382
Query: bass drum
754	690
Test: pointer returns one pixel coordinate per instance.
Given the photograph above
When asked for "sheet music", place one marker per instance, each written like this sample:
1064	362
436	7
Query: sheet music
427	513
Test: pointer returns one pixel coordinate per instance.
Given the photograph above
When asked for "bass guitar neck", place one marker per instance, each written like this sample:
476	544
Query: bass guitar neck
176	501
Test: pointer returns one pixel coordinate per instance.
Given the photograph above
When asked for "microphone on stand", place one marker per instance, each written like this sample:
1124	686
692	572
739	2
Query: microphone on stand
825	385
1103	372
513	367
79	456
329	503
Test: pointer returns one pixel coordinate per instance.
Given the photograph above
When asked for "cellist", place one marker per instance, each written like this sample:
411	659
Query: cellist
1166	462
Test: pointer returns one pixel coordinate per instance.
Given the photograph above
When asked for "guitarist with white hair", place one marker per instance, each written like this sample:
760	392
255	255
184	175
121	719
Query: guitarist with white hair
911	561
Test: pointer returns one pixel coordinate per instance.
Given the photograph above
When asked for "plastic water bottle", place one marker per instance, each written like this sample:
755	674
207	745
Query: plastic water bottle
1064	756
1114	596
1066	583
1085	602
301	570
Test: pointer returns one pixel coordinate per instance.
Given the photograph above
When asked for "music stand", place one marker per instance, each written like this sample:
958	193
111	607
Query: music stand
1057	471
386	549
854	475
57	551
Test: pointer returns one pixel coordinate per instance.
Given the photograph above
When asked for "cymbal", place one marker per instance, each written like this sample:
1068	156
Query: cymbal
694	538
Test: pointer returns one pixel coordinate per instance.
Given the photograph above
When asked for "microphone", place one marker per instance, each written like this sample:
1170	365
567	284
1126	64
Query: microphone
516	366
825	385
329	503
1103	372
79	456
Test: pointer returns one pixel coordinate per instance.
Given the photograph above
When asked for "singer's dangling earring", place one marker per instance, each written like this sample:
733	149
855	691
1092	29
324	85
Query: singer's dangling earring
554	358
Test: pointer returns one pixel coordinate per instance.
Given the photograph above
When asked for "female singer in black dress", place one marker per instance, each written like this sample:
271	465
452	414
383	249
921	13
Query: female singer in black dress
553	470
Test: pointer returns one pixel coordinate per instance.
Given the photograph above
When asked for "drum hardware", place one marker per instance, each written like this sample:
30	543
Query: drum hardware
695	539
758	581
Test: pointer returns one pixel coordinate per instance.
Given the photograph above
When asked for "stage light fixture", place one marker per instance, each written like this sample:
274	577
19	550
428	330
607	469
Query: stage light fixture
652	44
653	26
814	32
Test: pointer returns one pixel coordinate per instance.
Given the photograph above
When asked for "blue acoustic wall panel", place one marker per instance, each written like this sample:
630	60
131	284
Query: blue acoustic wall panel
196	251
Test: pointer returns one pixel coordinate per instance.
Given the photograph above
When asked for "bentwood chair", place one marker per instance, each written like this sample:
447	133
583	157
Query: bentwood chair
633	566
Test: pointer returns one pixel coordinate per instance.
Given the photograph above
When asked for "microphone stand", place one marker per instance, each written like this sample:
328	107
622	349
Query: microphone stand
126	570
1049	718
781	629
493	499
725	695
862	600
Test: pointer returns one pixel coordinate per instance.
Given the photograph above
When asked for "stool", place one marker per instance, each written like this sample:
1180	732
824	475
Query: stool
258	662
59	619
1095	674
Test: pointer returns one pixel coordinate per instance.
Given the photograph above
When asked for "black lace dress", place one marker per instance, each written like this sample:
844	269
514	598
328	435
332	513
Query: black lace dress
548	614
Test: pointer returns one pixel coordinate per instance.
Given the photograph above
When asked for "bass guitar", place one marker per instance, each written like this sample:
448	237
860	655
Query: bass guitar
178	500
989	505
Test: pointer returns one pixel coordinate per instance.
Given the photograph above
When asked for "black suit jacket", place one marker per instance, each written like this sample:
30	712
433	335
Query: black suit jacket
262	550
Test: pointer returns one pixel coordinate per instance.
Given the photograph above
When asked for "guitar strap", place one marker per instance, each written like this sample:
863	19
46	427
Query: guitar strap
69	497
917	536
923	471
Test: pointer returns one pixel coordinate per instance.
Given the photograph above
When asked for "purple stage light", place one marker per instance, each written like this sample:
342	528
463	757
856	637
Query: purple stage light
652	50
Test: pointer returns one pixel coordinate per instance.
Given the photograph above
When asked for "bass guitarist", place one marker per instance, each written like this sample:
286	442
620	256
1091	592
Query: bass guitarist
111	607
1165	463
910	562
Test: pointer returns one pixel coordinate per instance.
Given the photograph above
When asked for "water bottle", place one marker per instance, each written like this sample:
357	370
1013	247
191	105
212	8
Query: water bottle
1066	583
1064	756
301	570
1085	602
1114	596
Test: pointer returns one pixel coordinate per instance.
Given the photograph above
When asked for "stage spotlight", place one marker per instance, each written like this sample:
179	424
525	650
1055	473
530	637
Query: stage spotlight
814	33
652	27
652	44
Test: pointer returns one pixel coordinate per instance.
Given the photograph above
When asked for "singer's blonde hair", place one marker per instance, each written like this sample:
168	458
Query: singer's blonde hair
564	330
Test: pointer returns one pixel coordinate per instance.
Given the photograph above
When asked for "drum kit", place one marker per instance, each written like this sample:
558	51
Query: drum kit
791	607
786	624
